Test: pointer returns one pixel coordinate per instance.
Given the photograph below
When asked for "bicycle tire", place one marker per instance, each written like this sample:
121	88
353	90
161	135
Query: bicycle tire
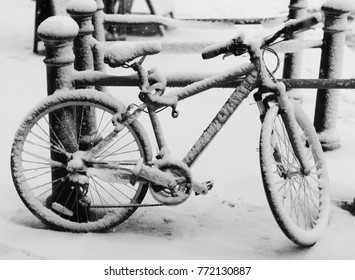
299	203
47	195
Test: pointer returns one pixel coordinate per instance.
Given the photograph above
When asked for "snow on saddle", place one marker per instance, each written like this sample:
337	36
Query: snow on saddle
119	53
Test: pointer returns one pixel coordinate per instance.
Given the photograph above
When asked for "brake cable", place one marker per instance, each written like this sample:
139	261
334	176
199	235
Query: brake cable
271	73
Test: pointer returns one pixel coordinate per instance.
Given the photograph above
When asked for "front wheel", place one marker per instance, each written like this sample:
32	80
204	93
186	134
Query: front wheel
299	202
65	124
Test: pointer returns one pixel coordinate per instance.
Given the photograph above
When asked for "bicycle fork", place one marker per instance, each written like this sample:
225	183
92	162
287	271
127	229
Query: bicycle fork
287	113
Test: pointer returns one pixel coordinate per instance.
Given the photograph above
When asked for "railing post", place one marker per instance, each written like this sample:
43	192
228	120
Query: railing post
59	57
82	12
293	61
88	51
99	35
326	110
98	20
58	33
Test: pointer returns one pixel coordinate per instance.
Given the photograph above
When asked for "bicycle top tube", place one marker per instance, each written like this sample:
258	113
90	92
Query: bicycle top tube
209	82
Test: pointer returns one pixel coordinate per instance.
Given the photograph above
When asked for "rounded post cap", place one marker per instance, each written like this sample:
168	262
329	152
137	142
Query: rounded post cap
81	7
338	6
58	28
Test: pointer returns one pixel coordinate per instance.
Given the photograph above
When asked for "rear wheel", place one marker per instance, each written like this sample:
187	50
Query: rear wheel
51	133
299	202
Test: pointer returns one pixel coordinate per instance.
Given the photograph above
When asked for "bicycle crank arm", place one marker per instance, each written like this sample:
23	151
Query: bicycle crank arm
168	180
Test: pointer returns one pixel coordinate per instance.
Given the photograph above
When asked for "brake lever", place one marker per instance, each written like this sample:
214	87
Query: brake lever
226	55
238	48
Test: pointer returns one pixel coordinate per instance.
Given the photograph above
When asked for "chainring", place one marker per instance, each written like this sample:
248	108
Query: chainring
175	195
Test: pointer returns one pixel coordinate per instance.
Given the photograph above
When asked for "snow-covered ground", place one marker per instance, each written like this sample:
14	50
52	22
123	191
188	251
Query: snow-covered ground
233	221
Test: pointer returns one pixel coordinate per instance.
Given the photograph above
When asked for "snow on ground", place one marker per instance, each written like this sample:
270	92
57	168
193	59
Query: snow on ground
233	221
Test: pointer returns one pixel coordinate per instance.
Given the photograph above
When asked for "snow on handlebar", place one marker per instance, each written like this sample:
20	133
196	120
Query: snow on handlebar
236	45
221	48
295	26
303	24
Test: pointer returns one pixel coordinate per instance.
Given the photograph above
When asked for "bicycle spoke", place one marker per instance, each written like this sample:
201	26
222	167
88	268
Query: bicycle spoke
48	183
81	121
72	129
71	135
103	201
48	160
110	146
97	134
50	147
283	138
55	141
120	153
118	150
37	168
108	193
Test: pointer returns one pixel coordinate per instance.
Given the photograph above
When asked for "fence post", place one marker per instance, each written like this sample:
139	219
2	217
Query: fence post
59	57
326	109
98	20
82	12
99	35
58	33
293	61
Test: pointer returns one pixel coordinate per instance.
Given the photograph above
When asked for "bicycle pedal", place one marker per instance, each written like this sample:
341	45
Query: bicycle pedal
62	209
207	184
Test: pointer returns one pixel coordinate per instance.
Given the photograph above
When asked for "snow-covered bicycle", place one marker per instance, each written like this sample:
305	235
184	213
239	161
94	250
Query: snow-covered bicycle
82	162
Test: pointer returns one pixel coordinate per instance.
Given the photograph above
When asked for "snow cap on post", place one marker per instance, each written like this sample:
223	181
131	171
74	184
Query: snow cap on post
339	6
82	12
100	4
58	28
58	33
81	7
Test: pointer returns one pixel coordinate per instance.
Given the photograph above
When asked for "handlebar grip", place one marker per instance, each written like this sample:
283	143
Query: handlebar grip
221	48
215	50
302	24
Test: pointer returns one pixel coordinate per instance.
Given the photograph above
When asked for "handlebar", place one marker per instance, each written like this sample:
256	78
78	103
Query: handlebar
221	48
303	24
295	26
237	46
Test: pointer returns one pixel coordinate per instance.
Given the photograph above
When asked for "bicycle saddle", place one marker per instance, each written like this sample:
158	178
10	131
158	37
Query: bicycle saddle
119	53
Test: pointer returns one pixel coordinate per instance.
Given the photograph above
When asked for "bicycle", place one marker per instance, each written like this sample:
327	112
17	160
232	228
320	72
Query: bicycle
82	162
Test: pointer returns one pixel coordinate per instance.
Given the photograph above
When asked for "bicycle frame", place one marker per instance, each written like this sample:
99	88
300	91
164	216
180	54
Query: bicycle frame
239	94
255	75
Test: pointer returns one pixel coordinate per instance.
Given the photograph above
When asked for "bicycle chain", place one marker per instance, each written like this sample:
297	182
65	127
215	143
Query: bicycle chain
134	205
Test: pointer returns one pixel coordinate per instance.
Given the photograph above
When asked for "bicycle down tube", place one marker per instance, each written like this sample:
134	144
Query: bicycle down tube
230	106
